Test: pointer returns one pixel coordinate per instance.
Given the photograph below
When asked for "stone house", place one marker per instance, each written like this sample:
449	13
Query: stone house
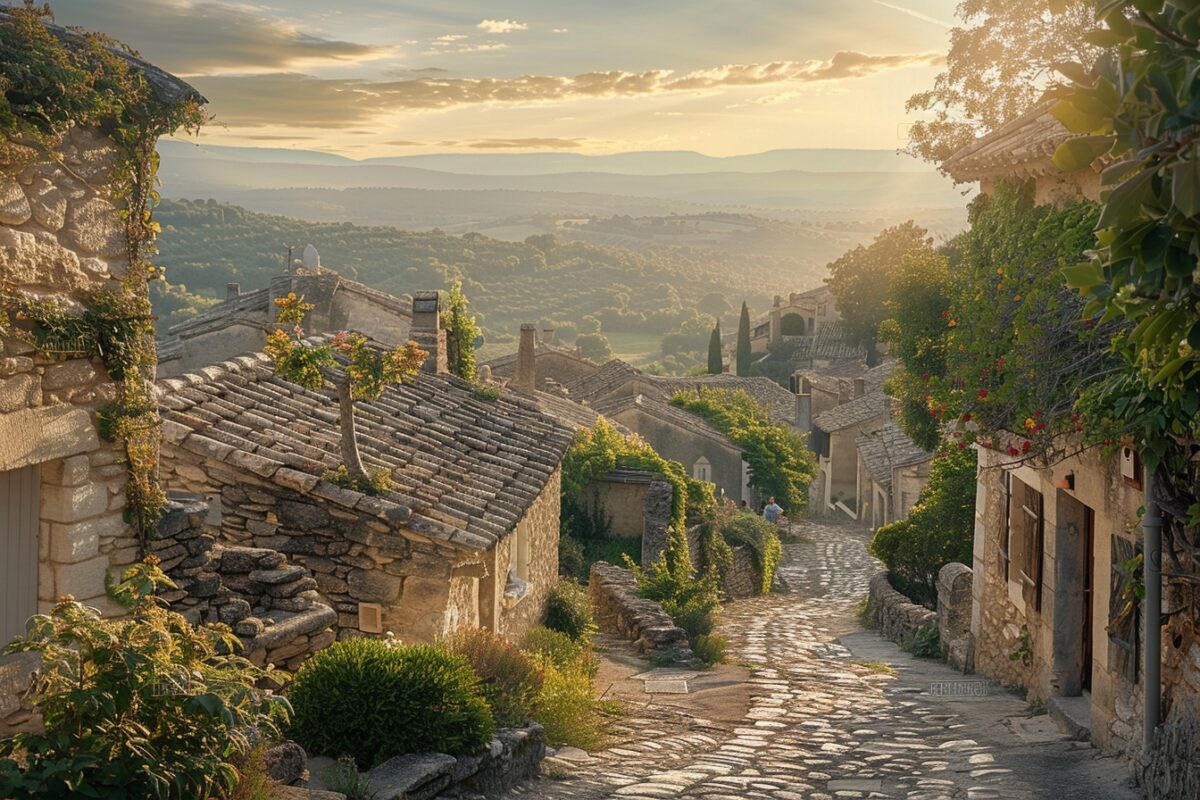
837	488
807	313
237	325
1052	542
677	435
892	471
62	487
468	536
553	364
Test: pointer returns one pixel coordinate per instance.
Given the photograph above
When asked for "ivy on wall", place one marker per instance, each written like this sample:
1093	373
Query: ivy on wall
50	82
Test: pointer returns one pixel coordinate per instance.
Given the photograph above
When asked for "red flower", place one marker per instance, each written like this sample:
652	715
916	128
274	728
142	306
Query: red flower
1025	447
1012	451
962	445
983	393
945	314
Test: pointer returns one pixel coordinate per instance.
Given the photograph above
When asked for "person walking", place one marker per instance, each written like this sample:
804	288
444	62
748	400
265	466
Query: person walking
772	511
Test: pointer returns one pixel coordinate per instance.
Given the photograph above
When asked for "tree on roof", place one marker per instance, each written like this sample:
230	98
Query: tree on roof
716	364
461	333
352	366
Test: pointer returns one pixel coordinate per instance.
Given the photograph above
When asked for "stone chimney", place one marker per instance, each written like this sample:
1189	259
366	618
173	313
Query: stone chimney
233	291
427	331
525	378
860	388
548	334
310	259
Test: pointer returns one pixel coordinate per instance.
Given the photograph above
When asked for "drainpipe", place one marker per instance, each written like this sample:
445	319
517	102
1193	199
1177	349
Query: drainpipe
1152	524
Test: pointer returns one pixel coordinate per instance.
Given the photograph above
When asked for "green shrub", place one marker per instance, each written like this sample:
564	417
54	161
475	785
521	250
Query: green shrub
561	650
761	537
569	609
571	561
938	530
343	777
926	642
709	648
144	706
509	679
373	700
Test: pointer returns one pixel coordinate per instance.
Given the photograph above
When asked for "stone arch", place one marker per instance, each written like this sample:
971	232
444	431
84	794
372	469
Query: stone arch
793	325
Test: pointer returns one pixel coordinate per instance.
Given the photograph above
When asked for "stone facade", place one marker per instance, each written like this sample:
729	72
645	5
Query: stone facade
954	615
614	595
61	239
633	504
895	616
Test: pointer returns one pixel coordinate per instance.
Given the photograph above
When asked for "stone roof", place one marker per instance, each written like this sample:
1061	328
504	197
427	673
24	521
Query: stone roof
667	413
1025	145
541	348
887	448
576	416
466	468
251	307
167	88
779	402
861	409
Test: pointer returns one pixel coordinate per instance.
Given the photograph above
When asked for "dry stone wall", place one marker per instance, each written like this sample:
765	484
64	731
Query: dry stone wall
895	616
954	615
614	596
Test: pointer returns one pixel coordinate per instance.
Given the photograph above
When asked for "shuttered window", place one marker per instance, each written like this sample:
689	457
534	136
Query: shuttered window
1026	542
1006	535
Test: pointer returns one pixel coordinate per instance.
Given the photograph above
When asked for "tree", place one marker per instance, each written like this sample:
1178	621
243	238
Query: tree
714	304
461	333
1139	109
743	342
594	346
349	363
716	364
996	68
861	279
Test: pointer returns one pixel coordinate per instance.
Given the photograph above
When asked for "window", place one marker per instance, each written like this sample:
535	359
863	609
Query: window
702	470
1025	542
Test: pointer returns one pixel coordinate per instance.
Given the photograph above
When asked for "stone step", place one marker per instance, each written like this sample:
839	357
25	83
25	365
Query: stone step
1072	715
279	575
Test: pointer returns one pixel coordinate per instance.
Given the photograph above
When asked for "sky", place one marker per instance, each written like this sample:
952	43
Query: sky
392	77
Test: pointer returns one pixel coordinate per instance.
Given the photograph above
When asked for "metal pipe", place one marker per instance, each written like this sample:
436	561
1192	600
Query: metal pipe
1152	524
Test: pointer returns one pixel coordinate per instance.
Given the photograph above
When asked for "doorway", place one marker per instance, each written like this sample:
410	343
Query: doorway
1074	592
18	550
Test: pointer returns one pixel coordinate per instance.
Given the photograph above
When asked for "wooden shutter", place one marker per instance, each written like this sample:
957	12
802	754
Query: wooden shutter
1006	531
1122	619
1031	527
18	550
1016	537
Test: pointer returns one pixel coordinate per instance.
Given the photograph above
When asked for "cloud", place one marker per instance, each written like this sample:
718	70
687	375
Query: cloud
529	143
451	37
560	30
501	26
916	14
191	37
455	49
304	101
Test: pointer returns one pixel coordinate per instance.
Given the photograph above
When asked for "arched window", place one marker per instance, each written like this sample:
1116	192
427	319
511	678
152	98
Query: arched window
792	325
702	470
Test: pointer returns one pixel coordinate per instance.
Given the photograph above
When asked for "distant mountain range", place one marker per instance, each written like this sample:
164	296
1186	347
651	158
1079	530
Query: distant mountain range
652	162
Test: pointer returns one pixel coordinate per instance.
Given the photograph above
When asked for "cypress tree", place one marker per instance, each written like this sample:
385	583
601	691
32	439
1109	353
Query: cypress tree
715	362
743	342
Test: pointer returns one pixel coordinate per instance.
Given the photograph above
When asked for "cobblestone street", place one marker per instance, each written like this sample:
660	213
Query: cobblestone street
825	719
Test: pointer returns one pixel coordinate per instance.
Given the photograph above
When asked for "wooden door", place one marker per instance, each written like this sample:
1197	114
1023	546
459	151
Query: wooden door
18	550
1089	594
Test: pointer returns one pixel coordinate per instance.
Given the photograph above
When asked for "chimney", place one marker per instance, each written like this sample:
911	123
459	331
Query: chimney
803	413
427	331
548	334
310	258
860	388
526	374
233	291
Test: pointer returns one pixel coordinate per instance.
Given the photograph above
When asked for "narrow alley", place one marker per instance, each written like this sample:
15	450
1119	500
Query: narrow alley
827	710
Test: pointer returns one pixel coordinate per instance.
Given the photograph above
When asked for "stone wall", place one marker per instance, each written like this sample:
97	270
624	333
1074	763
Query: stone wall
270	604
613	591
539	527
16	673
741	579
61	238
954	615
893	615
515	755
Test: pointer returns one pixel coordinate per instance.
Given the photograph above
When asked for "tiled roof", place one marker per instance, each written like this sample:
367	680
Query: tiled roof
540	348
665	412
574	415
252	305
779	402
859	410
888	448
466	468
1024	145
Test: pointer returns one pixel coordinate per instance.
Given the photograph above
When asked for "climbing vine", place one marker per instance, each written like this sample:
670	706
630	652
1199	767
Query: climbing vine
53	80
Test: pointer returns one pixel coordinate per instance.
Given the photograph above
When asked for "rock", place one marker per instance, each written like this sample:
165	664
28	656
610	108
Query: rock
301	793
412	777
249	627
14	207
22	391
373	586
279	575
93	228
234	611
243	560
48	203
285	762
38	259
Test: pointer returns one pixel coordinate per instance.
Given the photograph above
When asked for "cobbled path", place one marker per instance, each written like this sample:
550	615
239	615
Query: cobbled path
820	726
